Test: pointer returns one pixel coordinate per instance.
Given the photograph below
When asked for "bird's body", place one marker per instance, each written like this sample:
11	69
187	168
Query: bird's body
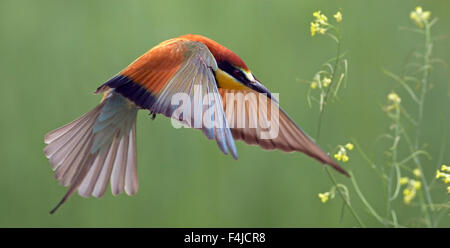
100	146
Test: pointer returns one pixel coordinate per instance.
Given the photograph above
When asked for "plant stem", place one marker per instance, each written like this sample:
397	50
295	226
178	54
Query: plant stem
333	80
344	199
365	202
394	165
424	88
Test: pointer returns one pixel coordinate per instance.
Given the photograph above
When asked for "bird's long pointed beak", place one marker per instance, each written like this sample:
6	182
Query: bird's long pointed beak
256	85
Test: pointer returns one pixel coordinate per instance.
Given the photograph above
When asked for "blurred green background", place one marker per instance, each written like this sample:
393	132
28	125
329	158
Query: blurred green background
53	55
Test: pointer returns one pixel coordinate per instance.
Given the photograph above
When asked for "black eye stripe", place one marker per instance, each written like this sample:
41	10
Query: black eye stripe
233	71
239	74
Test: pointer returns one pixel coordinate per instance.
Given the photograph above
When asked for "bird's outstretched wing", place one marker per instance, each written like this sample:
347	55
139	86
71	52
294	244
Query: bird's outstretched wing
157	80
258	120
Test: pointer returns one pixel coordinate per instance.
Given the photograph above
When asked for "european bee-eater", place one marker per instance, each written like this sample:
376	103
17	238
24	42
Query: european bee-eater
100	146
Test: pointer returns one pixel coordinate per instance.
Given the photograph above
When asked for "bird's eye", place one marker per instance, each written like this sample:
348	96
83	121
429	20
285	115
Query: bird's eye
239	74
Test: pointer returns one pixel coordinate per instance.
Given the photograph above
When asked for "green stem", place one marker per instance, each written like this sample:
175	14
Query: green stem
395	165
343	198
333	80
424	88
365	202
369	161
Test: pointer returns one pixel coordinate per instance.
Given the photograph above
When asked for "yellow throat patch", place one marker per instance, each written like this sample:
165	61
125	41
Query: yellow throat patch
225	81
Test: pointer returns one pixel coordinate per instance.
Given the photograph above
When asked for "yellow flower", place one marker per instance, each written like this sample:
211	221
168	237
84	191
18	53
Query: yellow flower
338	16
338	156
410	190
342	153
319	24
314	28
408	198
317	14
324	196
406	191
313	85
445	176
445	168
345	158
417	172
349	146
416	184
320	18
404	180
408	195
419	16
394	97
440	174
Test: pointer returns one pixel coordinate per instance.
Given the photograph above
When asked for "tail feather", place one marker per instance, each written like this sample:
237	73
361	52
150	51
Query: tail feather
131	182
73	166
59	149
67	156
97	147
57	133
87	186
57	143
118	172
105	174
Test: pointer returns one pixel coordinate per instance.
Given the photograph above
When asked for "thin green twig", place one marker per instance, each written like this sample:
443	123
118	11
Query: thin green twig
333	82
367	205
346	201
424	89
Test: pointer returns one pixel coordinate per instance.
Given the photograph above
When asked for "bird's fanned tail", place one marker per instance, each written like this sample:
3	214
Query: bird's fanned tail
100	145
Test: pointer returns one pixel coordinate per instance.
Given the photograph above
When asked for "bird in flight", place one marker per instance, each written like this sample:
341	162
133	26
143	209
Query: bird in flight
100	146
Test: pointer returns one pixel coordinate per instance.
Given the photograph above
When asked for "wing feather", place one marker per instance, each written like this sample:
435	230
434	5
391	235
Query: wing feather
178	66
243	111
189	71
